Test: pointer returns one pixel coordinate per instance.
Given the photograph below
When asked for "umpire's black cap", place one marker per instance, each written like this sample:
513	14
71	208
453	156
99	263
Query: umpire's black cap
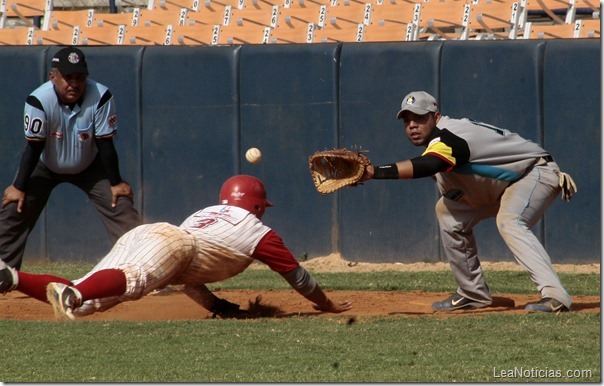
70	60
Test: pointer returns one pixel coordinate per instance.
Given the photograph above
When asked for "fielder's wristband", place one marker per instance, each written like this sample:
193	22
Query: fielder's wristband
385	172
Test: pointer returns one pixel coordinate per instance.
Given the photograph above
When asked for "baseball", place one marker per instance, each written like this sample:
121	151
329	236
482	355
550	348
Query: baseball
253	155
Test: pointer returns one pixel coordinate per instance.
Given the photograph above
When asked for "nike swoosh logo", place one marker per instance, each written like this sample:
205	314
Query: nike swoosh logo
456	302
557	308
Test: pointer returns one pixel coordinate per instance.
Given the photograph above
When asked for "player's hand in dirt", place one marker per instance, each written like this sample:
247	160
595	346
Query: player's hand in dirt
332	307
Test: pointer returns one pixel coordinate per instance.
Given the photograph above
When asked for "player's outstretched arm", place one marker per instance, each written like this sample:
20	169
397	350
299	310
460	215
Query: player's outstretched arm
302	281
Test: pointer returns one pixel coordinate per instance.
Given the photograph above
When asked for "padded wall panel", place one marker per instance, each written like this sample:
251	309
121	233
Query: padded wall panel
189	128
497	82
23	70
573	134
75	228
296	99
387	220
289	110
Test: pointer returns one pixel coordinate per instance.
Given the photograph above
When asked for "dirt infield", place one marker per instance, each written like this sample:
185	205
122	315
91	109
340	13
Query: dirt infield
174	305
177	306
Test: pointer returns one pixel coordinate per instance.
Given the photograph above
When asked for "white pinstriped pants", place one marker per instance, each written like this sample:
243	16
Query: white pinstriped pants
150	255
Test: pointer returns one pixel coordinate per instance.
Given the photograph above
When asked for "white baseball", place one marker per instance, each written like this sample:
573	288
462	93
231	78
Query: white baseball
253	155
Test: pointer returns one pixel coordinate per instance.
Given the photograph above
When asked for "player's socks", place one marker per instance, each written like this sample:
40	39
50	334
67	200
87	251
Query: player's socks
103	284
34	285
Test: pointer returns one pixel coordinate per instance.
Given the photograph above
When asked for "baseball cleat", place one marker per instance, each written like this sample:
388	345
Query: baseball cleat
63	299
8	278
456	302
547	305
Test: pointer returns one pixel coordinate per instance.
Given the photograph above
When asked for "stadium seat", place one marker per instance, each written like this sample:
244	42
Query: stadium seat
591	28
394	32
307	3
342	15
493	20
211	16
388	13
581	28
261	4
264	16
163	17
106	36
442	20
149	35
303	16
21	36
196	35
59	19
558	11
24	12
293	33
116	19
346	33
193	5
64	36
247	33
591	5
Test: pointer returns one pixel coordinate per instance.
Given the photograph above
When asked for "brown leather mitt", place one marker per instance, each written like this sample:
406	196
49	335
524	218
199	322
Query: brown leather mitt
332	170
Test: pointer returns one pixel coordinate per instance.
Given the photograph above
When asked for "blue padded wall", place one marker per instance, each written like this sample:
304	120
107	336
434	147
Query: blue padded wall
188	114
573	134
288	96
497	82
190	122
23	70
72	219
385	220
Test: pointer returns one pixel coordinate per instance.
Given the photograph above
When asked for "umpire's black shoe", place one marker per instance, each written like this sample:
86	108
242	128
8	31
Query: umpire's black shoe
8	278
456	302
547	305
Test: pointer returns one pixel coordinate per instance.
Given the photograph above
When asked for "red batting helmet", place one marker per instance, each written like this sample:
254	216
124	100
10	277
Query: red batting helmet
246	192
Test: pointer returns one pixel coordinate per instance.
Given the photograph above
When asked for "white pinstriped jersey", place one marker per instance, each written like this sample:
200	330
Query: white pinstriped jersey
228	225
226	237
69	133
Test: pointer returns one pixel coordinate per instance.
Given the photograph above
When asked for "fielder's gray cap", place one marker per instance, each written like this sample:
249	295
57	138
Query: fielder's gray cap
418	102
70	60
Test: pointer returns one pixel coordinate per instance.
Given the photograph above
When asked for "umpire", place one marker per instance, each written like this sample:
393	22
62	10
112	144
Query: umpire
69	125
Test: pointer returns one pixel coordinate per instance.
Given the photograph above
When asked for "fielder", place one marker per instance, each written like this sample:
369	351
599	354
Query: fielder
213	244
483	171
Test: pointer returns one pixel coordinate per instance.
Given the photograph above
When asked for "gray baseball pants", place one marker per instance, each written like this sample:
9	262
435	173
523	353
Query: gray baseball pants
521	206
15	227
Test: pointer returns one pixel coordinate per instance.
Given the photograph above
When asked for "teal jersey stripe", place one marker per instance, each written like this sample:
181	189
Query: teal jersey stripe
487	171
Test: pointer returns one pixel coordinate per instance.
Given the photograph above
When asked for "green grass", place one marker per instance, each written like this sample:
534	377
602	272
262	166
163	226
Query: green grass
431	281
468	348
441	281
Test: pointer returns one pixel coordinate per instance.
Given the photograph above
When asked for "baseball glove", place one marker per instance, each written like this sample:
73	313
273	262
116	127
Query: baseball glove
334	169
567	186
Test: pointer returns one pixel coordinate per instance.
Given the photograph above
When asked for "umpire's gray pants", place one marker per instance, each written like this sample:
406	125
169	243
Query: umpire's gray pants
15	227
521	206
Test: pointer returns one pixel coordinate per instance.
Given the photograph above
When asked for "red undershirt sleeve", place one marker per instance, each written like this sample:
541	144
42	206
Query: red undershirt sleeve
272	251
